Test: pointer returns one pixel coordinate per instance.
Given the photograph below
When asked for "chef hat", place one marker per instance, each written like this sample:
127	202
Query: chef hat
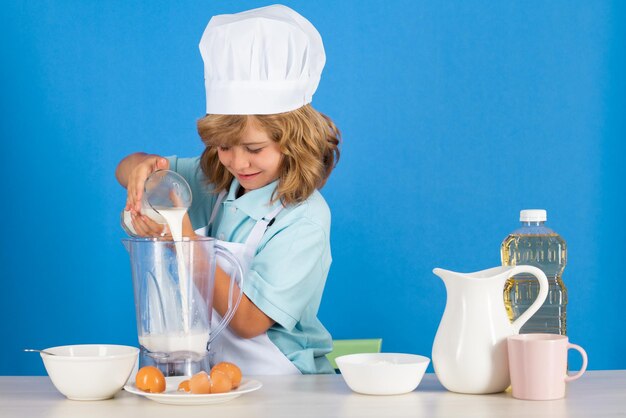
261	61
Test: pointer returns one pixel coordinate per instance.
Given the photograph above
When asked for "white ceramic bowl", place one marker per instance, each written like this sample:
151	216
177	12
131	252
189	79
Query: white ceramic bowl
90	372
382	373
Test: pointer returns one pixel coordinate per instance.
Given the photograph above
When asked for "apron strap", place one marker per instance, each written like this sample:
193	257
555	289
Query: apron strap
256	235
216	207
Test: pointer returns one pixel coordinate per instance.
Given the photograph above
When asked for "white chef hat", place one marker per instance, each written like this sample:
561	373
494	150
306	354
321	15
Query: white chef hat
261	61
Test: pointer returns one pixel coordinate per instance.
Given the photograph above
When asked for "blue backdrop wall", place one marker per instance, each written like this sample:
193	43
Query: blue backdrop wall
455	115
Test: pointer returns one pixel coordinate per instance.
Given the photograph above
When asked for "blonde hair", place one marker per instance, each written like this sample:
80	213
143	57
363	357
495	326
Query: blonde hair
307	139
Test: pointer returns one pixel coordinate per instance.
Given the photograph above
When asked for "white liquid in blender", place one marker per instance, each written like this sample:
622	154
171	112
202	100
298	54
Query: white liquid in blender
174	218
193	341
169	343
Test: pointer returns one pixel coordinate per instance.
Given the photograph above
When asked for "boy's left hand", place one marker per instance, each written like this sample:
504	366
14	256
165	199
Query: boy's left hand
146	227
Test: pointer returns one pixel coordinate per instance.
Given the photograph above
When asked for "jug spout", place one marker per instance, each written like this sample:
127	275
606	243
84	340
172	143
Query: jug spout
126	244
438	271
445	275
494	274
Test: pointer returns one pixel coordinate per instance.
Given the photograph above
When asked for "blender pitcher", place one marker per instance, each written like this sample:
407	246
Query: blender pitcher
173	284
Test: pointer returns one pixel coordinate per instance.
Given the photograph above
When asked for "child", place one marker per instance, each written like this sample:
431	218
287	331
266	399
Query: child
255	186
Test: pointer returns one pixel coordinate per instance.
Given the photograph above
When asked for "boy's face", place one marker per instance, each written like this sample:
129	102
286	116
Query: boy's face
255	162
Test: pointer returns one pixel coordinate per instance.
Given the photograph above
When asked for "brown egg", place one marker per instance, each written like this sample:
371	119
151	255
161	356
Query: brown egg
200	383
150	379
232	370
220	382
184	386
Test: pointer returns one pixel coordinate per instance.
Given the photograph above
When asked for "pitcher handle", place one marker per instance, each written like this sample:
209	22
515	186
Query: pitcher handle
541	297
232	307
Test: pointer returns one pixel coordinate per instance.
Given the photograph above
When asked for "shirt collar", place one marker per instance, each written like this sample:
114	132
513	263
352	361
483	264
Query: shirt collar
255	203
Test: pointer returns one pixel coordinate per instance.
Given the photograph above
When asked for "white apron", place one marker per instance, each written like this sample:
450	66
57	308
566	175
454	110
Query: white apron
258	355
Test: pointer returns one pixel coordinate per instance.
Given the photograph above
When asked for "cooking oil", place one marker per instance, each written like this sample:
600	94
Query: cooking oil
536	245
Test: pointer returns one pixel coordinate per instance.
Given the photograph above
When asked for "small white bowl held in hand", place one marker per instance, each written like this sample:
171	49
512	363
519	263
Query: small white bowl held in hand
382	373
90	372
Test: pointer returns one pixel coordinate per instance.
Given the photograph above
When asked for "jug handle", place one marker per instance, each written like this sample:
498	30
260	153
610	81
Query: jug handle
541	297
232	307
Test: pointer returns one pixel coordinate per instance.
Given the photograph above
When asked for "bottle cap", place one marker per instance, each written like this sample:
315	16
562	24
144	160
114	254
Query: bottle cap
533	215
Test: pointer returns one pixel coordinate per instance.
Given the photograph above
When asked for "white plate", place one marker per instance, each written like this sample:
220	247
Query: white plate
172	396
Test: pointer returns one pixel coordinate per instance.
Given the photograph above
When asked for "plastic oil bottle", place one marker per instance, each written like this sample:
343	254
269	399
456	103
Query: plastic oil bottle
536	245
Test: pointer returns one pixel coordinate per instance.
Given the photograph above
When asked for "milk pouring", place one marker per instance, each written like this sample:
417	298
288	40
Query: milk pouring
164	190
174	218
173	285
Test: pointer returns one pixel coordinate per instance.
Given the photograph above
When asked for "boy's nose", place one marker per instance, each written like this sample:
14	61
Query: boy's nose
239	160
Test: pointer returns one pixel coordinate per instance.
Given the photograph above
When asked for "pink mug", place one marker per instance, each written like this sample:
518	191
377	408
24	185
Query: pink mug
538	365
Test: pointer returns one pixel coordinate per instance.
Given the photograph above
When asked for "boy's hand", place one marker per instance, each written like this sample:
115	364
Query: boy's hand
137	178
146	227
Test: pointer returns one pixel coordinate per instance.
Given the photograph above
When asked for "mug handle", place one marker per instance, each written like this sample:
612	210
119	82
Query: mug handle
583	353
236	277
541	297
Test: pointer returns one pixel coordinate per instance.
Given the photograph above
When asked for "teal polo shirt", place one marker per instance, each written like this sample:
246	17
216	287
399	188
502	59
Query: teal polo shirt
287	276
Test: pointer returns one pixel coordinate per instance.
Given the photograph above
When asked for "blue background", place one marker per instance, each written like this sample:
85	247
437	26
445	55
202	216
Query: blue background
455	115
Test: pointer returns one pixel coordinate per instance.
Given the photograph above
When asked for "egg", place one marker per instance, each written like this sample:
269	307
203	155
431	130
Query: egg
184	386
150	379
200	383
220	382
232	370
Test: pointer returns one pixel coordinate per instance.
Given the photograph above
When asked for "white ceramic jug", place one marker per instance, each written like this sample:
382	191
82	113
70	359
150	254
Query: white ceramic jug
469	352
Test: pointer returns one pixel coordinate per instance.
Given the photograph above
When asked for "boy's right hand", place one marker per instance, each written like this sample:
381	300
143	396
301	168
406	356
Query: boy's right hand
145	165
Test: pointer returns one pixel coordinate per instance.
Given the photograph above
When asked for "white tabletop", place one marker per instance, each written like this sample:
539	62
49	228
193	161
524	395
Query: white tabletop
596	394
